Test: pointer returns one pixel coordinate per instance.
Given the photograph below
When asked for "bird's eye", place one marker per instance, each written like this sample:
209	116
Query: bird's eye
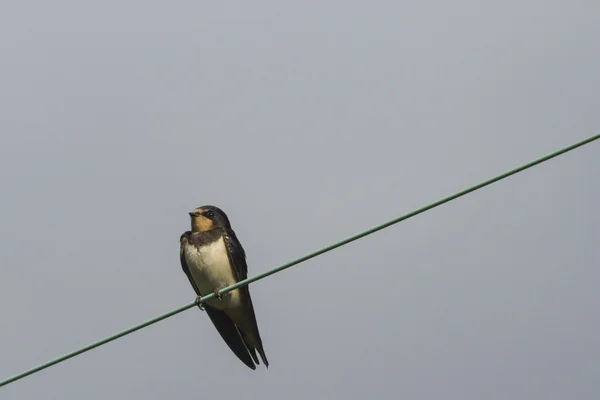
209	214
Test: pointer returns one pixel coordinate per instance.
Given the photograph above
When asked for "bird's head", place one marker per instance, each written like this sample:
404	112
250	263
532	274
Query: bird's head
206	218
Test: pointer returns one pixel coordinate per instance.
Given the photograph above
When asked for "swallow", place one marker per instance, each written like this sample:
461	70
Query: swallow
213	258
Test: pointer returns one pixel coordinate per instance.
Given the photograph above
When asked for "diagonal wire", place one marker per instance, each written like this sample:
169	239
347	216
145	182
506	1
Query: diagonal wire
301	259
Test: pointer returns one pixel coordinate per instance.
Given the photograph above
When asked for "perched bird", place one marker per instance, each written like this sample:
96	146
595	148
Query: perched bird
213	258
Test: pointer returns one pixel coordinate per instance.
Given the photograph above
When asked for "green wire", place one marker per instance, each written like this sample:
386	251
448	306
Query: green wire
301	259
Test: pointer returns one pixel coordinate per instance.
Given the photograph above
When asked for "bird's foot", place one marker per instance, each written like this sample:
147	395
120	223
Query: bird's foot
200	305
218	296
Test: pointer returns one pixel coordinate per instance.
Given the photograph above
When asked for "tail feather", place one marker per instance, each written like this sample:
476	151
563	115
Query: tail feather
230	334
263	356
254	344
250	348
245	319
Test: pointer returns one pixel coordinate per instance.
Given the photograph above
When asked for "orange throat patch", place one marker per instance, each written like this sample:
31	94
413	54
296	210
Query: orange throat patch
200	224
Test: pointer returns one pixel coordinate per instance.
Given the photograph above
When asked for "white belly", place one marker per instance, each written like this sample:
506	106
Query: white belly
210	269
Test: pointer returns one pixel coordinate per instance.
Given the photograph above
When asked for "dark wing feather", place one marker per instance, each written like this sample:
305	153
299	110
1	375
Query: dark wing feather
237	257
183	240
225	326
230	334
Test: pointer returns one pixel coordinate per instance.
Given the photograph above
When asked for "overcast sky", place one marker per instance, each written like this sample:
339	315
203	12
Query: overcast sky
306	122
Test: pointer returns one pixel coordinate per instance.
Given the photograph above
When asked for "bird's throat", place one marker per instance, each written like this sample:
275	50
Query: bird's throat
201	224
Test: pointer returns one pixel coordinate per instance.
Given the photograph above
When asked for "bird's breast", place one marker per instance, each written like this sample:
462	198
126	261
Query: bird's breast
210	268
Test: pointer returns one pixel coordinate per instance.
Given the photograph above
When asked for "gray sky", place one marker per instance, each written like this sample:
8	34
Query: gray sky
306	123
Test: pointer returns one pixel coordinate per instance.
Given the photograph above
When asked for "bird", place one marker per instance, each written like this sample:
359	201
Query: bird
212	258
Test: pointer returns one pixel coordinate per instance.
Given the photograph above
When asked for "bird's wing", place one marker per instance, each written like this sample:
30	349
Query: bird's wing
237	255
230	334
225	326
183	241
237	258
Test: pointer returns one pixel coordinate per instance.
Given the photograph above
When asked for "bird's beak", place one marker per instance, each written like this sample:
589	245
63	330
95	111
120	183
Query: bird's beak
191	214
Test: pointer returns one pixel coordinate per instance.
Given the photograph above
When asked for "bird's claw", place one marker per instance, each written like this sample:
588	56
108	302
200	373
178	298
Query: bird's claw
218	296
200	305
